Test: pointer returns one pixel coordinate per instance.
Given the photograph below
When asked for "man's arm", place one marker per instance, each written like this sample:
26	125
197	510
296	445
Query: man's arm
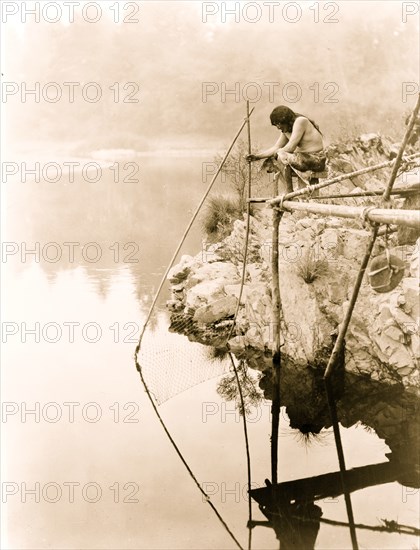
281	142
299	128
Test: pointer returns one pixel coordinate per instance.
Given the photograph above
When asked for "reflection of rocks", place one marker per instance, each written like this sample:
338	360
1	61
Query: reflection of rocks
389	410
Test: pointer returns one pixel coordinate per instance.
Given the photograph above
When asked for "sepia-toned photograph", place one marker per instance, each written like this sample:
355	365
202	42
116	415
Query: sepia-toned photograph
210	275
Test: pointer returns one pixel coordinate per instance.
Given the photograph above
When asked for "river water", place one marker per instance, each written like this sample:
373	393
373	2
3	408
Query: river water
90	466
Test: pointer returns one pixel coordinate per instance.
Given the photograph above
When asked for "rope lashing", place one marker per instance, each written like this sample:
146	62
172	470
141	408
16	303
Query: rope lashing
364	216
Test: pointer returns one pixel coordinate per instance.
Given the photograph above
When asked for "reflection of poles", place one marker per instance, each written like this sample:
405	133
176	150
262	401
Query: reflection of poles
296	524
388	527
339	344
339	446
289	506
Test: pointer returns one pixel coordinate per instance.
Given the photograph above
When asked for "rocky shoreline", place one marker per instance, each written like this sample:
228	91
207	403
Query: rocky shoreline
319	260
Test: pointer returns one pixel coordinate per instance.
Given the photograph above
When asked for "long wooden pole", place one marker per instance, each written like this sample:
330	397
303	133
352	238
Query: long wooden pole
184	236
380	216
248	212
407	218
339	343
406	190
326	183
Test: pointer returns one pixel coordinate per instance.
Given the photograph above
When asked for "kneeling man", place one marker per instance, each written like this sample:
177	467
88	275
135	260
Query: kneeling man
300	144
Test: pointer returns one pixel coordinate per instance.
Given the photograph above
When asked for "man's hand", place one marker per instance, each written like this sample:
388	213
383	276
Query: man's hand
251	158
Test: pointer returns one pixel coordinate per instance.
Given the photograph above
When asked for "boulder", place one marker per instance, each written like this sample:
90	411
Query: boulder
180	272
217	310
204	293
222	271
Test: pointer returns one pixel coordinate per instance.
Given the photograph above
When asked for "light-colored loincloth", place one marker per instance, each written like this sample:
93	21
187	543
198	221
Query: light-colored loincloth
306	161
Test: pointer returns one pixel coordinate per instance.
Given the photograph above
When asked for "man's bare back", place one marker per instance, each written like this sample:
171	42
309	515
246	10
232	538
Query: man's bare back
308	137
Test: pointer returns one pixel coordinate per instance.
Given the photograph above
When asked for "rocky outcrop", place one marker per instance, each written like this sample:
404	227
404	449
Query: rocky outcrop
319	261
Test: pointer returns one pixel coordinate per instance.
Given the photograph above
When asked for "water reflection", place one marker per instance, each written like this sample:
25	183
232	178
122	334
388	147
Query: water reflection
390	411
109	228
107	214
291	510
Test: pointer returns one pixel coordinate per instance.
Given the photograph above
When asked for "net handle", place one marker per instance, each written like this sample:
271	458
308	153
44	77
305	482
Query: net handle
184	236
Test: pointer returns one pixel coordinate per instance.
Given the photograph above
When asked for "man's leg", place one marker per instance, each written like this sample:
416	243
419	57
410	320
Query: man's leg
282	164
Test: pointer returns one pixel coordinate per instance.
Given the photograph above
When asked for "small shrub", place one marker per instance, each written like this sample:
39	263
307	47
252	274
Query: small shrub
310	268
219	217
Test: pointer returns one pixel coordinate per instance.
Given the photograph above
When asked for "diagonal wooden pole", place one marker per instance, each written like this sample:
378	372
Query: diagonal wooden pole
338	346
187	230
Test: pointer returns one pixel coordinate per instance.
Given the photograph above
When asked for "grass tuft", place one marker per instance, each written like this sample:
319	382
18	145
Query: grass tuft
218	219
310	268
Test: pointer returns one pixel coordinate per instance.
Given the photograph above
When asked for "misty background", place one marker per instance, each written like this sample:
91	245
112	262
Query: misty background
349	74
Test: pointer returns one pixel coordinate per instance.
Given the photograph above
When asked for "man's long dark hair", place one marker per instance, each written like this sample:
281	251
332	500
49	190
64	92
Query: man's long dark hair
283	114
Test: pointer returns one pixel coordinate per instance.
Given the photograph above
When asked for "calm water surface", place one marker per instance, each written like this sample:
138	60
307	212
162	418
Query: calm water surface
130	489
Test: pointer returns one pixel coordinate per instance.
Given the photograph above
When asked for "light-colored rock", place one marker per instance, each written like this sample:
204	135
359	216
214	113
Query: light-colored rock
234	290
405	371
257	272
223	271
331	243
354	243
237	344
395	333
181	271
214	311
203	293
369	140
415	345
253	337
